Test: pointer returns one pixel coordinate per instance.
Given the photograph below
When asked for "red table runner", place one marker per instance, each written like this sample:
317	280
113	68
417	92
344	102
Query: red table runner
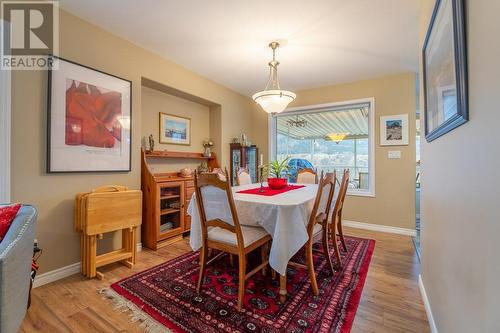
268	192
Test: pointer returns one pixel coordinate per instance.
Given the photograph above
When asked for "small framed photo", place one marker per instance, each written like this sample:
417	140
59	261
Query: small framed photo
394	130
175	129
89	120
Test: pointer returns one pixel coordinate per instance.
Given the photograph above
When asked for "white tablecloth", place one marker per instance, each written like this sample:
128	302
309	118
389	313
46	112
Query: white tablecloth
283	216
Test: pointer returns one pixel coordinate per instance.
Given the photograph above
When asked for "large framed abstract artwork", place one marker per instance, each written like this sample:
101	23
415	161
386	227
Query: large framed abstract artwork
89	120
444	57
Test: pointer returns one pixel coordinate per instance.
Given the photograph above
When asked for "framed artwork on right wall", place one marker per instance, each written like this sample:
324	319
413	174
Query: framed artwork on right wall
394	130
444	57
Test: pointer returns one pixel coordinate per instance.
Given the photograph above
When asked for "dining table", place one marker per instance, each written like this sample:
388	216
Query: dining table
284	216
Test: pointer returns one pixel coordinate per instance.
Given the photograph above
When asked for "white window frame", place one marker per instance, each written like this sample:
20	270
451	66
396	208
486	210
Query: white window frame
5	130
272	123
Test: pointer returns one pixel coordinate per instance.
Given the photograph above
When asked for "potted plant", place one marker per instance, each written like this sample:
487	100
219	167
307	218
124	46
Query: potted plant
279	174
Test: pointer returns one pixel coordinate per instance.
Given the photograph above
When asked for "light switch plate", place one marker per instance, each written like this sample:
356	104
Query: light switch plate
394	154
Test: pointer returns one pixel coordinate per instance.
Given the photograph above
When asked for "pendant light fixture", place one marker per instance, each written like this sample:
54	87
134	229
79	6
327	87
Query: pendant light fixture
336	137
272	99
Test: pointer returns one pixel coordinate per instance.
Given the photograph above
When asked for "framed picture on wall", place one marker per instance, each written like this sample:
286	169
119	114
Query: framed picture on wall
175	129
89	120
394	130
444	57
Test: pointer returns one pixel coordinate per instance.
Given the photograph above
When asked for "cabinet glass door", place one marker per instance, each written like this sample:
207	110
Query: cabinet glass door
170	208
251	160
236	160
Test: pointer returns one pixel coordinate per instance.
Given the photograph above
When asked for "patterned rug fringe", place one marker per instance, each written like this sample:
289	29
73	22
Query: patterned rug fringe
137	315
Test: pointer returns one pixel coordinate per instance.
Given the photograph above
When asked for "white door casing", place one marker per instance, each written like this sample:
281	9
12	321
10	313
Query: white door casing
5	129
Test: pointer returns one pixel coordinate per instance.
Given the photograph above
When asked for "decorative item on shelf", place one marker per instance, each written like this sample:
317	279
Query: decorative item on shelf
175	205
235	140
273	99
88	120
166	226
151	143
278	169
243	140
207	144
186	172
203	167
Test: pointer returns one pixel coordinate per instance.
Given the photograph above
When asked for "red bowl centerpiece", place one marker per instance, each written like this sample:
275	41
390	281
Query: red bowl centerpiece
277	183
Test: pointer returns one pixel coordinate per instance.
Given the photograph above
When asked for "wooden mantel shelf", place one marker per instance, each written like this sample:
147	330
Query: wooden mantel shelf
178	154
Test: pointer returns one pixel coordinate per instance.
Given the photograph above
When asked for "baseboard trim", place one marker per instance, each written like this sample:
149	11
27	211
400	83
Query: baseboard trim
378	227
56	274
427	305
61	273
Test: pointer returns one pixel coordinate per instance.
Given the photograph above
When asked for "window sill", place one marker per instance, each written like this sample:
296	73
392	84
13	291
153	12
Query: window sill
368	194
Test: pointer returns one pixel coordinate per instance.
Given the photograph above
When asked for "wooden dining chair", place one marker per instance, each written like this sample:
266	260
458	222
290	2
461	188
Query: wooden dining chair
317	227
243	177
220	173
307	176
221	229
337	211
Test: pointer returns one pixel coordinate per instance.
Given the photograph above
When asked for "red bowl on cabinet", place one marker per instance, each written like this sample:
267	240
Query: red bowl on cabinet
277	183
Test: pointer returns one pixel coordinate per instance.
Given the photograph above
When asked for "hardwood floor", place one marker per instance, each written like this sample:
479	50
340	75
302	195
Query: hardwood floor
391	301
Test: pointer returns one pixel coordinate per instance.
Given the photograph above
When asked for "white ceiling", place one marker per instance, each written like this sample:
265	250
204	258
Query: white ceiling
328	41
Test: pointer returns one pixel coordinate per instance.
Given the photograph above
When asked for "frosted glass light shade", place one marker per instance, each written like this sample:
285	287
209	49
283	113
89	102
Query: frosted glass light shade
336	137
274	101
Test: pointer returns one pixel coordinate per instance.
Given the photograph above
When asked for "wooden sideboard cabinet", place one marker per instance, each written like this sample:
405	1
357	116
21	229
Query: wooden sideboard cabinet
166	198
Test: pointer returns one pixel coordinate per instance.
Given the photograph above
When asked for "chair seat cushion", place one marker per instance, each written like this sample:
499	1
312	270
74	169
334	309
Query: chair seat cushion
250	235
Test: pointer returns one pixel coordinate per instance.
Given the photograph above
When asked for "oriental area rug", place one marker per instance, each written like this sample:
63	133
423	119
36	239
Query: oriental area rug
164	298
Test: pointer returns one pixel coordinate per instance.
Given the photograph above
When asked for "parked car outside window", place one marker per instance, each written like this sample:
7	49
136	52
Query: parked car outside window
296	164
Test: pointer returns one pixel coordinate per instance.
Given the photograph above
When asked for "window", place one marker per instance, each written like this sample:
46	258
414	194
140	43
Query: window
328	137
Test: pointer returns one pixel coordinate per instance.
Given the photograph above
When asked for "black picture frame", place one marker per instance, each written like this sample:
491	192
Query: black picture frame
49	164
460	69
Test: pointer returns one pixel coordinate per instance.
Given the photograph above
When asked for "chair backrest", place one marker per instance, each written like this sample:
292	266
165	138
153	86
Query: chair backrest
307	176
323	201
220	173
243	177
216	205
332	178
339	203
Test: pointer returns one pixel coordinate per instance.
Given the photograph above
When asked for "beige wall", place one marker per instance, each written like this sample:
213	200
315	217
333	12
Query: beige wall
53	194
394	202
460	191
152	103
